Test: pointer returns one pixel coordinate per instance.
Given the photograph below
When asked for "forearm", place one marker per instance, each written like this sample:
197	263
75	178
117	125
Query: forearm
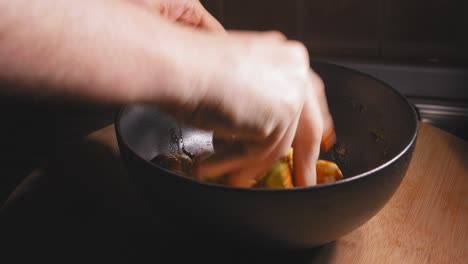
100	50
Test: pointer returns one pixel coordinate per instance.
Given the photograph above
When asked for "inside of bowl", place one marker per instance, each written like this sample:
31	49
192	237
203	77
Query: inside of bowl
373	124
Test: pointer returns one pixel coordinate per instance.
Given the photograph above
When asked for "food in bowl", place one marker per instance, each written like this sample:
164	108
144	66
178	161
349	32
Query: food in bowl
280	175
289	219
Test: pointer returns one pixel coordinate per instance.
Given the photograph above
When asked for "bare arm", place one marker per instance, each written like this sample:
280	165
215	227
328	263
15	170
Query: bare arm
101	50
256	86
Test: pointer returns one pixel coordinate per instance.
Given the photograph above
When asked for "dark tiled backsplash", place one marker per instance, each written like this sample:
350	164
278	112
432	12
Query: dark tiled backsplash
409	30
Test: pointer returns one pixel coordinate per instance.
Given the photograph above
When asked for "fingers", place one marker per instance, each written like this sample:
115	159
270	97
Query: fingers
220	164
307	141
244	165
247	176
208	22
236	156
312	130
196	15
266	35
328	136
187	12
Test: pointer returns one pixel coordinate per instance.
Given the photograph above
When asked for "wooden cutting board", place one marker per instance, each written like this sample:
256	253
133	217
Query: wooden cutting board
426	221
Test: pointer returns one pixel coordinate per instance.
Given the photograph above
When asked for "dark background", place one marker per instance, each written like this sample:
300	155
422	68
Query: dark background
416	31
419	47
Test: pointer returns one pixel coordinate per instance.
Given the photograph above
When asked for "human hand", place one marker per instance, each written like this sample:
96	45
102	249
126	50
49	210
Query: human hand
259	89
287	106
255	86
188	12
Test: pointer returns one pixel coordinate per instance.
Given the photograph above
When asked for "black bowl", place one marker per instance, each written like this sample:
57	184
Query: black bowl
376	129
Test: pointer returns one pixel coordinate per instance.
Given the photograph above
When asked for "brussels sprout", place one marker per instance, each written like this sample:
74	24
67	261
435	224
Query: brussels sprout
177	162
279	176
327	172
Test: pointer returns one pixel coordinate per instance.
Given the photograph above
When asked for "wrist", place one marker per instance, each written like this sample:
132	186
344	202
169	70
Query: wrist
186	69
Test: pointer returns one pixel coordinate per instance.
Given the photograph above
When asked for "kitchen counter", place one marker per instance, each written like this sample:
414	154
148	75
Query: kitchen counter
426	221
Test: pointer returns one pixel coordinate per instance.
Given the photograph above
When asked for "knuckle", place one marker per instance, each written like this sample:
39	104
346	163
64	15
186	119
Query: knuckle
318	84
293	101
298	51
265	124
276	35
266	131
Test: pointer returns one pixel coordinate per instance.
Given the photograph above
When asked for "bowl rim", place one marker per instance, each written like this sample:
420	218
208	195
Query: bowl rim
294	189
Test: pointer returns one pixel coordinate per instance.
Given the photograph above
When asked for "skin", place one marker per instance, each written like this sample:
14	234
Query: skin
254	86
188	12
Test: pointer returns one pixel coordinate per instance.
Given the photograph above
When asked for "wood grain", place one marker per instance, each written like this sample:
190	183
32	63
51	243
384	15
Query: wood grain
426	221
